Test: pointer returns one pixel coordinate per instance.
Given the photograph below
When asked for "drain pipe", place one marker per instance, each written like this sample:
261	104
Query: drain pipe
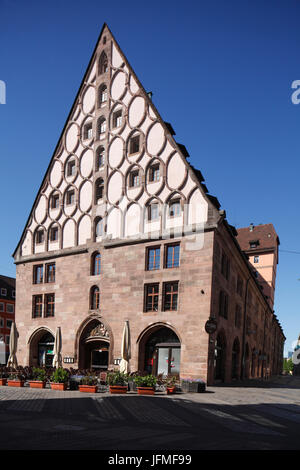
244	331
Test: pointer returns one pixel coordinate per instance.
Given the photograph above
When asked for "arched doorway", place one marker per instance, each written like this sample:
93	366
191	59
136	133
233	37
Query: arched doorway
235	359
220	357
41	347
94	346
159	352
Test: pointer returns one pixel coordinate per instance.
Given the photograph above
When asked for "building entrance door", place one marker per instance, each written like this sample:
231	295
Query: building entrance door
162	353
45	350
99	358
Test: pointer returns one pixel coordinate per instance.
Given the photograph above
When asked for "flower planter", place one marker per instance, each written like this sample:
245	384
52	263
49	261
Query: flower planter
170	390
15	383
3	381
193	387
58	386
37	384
145	390
118	389
88	388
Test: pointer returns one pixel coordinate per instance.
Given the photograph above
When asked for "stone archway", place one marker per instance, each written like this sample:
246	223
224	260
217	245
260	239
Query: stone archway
159	351
94	345
41	344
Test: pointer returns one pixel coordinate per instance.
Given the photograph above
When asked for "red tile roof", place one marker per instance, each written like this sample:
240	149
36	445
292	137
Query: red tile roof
264	234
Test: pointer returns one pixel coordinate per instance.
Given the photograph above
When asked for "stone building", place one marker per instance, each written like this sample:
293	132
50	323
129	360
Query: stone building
123	229
7	313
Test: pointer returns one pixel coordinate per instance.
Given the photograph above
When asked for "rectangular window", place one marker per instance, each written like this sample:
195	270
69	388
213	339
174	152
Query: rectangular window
10	308
50	272
1	306
153	212
170	296
38	276
225	267
117	118
37	306
7	340
13	294
239	286
70	199
172	256
223	304
1	325
88	131
174	209
49	305
40	236
153	258
54	234
8	323
55	201
134	180
256	259
71	168
151	297
134	145
154	173
238	316
3	292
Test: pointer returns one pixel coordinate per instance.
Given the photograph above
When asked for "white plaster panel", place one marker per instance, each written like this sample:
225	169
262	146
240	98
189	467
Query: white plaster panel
132	193
115	153
167	151
146	124
116	57
85	196
53	246
69	234
40	211
136	111
40	248
86	163
26	245
114	190
92	74
176	171
114	219
188	187
118	85
81	116
55	174
133	85
155	139
71	137
152	113
84	230
132	220
126	98
153	187
197	208
88	100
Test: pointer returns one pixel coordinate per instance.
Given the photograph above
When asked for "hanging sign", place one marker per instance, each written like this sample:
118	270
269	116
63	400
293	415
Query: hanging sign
210	326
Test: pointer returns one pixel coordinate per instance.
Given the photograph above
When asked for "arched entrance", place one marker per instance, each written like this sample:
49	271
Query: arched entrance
94	346
220	357
235	359
159	352
41	346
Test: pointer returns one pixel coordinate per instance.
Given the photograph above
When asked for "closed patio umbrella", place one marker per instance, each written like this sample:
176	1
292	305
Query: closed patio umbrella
126	349
13	341
57	362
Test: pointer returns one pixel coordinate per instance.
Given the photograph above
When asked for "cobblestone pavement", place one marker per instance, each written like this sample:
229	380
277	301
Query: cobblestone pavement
248	416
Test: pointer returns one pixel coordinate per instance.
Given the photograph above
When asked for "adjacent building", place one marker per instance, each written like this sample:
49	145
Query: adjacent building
123	228
7	311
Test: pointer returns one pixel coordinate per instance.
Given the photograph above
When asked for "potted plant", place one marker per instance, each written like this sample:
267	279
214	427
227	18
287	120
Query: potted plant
190	385
171	384
3	378
145	384
117	381
59	379
39	378
88	384
15	380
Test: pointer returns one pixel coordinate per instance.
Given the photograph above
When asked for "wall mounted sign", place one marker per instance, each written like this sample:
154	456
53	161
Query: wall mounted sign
210	326
69	360
117	361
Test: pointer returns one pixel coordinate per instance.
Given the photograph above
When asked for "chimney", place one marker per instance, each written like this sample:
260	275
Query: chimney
251	227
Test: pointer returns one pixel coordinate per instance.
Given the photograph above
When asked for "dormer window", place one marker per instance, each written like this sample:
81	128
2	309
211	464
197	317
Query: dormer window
117	119
174	208
154	173
134	179
54	234
55	201
134	145
39	236
254	243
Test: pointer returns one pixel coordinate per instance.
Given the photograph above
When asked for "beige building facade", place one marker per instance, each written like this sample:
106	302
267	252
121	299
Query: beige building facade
123	229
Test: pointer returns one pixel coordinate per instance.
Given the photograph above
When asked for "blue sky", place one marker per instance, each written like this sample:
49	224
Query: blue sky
220	72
